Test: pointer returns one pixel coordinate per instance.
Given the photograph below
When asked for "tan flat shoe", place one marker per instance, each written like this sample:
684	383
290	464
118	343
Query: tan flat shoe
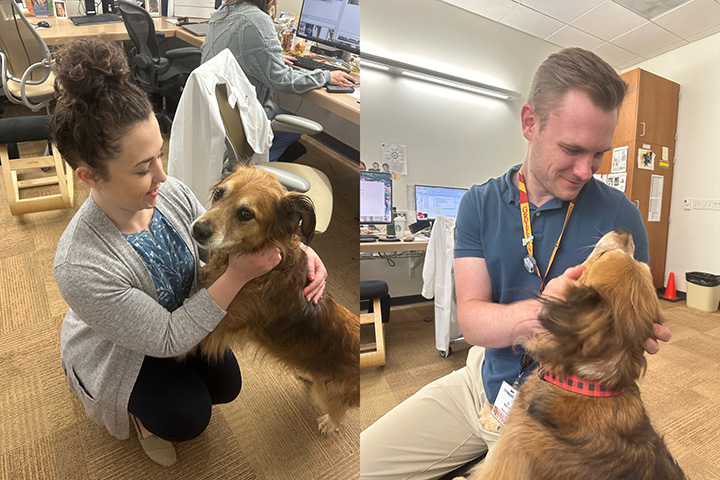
159	450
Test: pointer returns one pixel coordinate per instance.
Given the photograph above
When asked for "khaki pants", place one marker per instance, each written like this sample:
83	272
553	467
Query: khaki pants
431	433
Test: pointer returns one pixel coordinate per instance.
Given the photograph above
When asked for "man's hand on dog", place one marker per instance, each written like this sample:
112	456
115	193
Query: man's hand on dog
316	274
558	287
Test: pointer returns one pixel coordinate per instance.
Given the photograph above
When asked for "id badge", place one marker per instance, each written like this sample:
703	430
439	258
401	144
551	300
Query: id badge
530	263
504	402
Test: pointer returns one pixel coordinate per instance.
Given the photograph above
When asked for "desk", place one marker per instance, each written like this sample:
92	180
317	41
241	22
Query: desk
62	31
418	245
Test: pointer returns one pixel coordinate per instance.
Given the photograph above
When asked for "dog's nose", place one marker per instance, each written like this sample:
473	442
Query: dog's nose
201	232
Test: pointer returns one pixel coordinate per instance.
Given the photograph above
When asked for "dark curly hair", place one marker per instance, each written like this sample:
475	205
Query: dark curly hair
97	103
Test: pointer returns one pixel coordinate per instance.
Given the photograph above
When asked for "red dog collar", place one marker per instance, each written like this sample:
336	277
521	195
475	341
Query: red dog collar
574	384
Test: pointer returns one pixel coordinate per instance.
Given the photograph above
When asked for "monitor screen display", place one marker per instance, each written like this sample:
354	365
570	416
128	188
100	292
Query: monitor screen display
433	201
375	197
335	23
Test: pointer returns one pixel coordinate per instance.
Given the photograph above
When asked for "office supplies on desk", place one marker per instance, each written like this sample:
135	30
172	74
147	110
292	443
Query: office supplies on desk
368	237
339	89
199	29
93	19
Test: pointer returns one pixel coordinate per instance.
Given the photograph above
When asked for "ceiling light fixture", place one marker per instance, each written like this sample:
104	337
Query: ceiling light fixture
434	76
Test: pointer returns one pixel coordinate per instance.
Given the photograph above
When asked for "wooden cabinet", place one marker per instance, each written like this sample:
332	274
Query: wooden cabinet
648	122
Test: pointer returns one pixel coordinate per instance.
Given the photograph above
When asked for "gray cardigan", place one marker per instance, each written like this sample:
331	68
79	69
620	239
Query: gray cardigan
250	35
114	318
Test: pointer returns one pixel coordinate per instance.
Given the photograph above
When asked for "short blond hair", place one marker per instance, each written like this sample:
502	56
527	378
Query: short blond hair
575	69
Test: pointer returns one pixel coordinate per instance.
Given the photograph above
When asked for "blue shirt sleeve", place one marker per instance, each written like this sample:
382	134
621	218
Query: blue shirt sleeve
468	242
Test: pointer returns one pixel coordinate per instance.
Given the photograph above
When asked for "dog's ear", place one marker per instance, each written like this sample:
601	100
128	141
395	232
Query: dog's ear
295	210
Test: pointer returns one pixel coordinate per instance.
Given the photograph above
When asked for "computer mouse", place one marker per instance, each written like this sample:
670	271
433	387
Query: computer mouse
409	239
43	24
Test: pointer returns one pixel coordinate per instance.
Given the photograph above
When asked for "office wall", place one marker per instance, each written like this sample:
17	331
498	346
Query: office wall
453	138
693	234
194	8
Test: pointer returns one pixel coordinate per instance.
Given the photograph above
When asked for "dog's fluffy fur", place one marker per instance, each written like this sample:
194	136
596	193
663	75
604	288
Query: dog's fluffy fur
251	210
596	334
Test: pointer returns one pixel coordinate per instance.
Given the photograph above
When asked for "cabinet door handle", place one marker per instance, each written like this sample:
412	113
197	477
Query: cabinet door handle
643	125
637	203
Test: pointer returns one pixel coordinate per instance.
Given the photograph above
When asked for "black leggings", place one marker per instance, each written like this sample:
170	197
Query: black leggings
174	399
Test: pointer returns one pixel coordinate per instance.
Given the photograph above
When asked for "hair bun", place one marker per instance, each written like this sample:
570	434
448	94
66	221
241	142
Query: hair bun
86	68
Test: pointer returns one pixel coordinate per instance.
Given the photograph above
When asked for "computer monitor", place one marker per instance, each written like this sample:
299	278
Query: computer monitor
335	23
431	201
375	198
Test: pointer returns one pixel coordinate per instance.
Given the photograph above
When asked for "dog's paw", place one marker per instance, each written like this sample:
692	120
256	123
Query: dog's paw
326	425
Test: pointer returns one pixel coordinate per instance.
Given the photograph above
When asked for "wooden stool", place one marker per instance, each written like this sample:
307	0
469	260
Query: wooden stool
376	292
27	129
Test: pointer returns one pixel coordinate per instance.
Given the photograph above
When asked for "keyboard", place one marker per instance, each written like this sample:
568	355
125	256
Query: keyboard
310	64
364	238
93	19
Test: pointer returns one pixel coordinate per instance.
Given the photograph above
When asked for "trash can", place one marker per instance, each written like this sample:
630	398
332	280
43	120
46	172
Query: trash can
703	291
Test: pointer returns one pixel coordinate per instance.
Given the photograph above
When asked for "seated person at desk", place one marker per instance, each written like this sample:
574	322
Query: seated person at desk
245	27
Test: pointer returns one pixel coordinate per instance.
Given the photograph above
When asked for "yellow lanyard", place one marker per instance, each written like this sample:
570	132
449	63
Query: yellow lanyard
529	261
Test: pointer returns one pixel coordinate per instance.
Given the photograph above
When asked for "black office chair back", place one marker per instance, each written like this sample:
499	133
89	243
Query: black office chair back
20	43
141	30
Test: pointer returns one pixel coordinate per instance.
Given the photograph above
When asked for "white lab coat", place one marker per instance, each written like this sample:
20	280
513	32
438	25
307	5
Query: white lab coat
439	281
197	138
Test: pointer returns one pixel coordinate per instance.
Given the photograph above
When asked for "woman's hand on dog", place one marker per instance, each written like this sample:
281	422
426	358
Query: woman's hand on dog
244	267
240	270
316	274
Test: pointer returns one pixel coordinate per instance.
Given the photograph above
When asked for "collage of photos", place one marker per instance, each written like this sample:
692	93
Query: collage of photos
297	240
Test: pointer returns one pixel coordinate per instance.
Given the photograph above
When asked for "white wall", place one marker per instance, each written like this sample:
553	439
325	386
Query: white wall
694	234
453	138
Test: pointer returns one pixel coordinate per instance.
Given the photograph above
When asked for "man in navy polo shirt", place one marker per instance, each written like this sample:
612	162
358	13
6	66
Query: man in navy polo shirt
518	235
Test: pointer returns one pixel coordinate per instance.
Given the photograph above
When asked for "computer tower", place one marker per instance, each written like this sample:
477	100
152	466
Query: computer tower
90	7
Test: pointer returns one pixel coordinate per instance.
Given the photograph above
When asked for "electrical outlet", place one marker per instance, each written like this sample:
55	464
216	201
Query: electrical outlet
716	204
697	204
707	204
687	203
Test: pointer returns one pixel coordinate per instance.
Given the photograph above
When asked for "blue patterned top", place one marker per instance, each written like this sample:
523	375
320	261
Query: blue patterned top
168	260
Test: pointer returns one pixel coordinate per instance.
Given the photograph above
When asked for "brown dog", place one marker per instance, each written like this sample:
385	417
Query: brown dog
594	346
251	210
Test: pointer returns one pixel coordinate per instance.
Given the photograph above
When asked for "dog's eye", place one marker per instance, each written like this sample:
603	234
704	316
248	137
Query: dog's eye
218	194
244	214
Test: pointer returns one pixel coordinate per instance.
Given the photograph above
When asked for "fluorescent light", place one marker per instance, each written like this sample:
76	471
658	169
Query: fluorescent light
461	86
375	65
442	78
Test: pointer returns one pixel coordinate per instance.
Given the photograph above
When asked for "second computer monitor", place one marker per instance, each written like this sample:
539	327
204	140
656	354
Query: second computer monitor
432	201
334	23
375	197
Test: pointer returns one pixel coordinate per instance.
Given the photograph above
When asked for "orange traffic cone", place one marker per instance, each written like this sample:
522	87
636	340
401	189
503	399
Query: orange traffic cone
670	293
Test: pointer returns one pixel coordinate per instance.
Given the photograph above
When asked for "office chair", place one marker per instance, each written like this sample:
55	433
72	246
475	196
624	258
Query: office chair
24	60
161	74
221	123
